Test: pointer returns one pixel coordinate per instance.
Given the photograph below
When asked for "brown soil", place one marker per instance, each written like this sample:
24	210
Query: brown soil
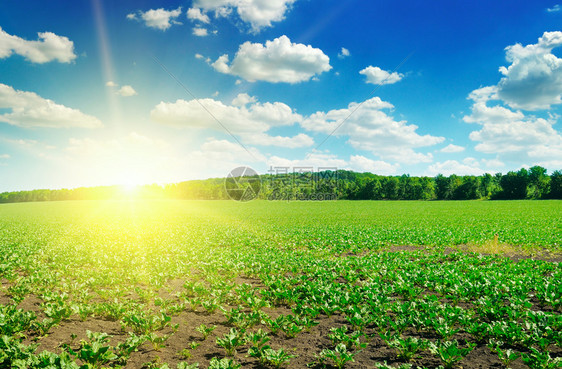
306	345
544	255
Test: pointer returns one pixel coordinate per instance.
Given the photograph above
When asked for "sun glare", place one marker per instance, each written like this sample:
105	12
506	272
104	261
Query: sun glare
129	188
130	183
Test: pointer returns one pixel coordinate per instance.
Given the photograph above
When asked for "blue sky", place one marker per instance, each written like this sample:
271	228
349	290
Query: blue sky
88	96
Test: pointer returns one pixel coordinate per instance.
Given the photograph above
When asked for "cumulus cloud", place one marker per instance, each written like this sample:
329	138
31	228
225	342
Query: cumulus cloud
247	118
243	99
315	160
133	143
554	9
129	159
511	134
452	149
344	53
482	113
377	76
369	128
218	157
448	167
259	14
279	60
533	80
201	32
161	19
127	91
196	15
140	158
362	164
22	142
493	163
31	110
224	151
263	139
318	160
47	48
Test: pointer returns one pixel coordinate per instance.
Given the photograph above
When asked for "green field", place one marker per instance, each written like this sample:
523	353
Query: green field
287	284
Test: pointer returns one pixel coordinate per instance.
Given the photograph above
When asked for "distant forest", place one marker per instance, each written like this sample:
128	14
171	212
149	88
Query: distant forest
533	183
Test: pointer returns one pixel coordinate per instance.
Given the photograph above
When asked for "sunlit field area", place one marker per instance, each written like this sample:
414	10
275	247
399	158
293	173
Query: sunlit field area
221	284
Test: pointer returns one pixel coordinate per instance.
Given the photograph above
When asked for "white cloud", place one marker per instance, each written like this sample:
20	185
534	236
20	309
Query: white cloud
133	142
493	163
226	151
199	56
31	110
262	139
222	12
554	9
362	164
454	167
533	80
129	159
5	156
140	158
221	65
201	32
279	60
196	15
127	91
315	159
344	53
512	135
161	19
124	91
319	159
216	158
243	99
470	161
47	48
377	76
371	129
452	149
258	14
23	142
482	113
250	121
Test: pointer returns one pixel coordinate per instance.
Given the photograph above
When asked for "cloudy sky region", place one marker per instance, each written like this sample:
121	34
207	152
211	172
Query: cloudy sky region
128	92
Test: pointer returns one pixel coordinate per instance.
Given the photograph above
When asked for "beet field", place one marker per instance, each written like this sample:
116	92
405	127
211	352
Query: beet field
220	284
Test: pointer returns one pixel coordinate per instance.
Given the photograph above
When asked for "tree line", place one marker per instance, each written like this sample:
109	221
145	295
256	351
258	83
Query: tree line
532	183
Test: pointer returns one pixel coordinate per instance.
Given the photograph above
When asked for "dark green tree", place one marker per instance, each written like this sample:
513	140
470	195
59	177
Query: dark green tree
556	185
539	183
514	184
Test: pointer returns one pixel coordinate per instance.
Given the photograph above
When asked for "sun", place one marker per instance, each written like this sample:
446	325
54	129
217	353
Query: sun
130	183
129	188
